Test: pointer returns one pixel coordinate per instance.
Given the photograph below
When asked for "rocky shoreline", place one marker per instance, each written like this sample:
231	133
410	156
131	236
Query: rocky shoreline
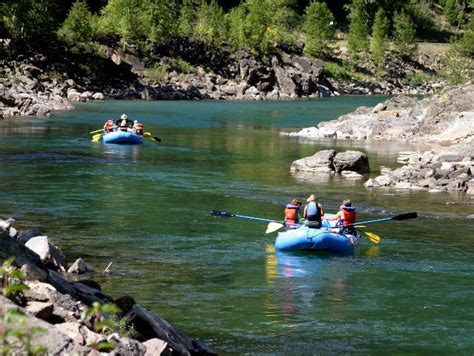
63	311
38	84
444	121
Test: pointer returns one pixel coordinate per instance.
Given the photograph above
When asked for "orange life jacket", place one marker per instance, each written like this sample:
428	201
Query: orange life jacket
109	124
349	215
291	213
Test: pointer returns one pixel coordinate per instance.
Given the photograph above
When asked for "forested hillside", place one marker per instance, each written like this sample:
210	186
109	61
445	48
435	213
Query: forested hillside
355	38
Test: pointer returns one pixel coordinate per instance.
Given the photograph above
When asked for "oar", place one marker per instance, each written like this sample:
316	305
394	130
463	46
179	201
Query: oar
148	134
273	226
404	216
373	237
226	214
96	137
96	131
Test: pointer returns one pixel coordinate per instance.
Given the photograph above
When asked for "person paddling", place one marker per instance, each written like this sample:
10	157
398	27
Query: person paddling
292	215
345	217
313	212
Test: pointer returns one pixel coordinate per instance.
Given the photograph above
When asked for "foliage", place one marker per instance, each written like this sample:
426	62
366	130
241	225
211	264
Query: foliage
456	68
236	26
187	17
318	29
379	39
15	334
145	22
30	19
404	34
452	12
341	72
210	23
103	319
78	25
357	39
184	67
465	45
158	73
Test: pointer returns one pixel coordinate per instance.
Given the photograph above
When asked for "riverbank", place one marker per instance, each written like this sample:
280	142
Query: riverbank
61	310
444	121
38	83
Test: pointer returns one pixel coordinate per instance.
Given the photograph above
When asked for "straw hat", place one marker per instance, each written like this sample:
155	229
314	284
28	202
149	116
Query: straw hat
311	198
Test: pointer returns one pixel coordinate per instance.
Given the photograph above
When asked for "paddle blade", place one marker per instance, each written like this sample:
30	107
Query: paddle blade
405	216
273	226
374	238
96	138
222	214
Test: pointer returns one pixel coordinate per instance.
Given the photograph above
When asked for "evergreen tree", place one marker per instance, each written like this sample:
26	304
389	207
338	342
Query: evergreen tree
357	39
451	12
318	29
34	21
188	17
77	27
465	44
404	34
379	38
236	26
210	25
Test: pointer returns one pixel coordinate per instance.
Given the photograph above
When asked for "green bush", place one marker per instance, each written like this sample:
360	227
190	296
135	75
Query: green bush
157	73
318	29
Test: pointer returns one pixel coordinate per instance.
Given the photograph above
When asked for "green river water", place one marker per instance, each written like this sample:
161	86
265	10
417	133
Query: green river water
146	209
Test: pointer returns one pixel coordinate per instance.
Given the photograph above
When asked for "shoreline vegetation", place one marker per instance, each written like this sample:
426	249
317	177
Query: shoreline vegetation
238	50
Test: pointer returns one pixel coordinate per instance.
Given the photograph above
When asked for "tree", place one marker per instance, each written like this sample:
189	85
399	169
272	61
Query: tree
187	17
465	45
452	12
78	25
318	29
357	39
379	38
35	20
404	34
210	23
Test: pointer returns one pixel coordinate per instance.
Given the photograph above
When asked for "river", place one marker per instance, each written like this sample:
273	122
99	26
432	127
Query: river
146	209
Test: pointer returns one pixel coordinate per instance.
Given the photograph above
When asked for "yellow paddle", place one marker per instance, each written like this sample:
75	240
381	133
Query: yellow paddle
150	136
373	237
96	137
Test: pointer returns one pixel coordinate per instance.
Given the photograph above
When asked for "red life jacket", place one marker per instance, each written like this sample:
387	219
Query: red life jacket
109	124
291	214
349	215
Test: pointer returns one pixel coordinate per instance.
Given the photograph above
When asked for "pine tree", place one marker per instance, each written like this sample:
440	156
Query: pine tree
404	34
379	38
357	39
318	29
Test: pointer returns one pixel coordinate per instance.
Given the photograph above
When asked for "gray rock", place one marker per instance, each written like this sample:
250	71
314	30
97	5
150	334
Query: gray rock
351	161
48	252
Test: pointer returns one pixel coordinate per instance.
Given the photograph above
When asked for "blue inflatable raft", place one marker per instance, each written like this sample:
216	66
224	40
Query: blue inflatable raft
122	137
326	239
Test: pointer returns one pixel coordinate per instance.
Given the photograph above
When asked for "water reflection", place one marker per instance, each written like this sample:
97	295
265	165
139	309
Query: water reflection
129	152
301	282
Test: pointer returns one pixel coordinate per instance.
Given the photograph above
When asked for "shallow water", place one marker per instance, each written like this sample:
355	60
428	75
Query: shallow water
146	209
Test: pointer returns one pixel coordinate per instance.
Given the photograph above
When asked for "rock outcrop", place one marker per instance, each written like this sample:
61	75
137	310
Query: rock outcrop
445	121
61	313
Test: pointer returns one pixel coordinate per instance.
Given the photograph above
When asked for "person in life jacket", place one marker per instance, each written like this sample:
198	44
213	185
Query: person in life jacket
345	217
313	212
292	215
109	126
138	128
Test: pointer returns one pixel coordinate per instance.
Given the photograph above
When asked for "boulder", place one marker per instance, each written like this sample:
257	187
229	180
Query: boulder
355	161
320	162
48	252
